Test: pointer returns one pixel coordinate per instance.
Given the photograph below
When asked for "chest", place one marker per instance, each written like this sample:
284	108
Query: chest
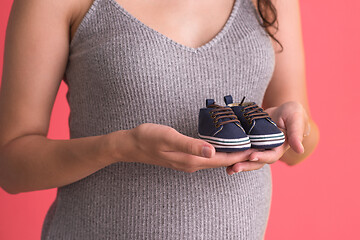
126	44
190	23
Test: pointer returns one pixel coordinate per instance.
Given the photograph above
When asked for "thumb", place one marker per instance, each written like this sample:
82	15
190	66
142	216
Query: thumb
181	143
295	132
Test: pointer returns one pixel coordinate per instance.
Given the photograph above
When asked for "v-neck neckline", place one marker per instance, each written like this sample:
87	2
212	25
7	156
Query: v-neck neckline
205	46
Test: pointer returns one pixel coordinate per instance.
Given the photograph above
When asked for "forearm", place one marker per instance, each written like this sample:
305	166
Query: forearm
309	142
35	162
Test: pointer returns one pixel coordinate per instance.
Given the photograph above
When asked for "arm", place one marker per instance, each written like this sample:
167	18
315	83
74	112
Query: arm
289	82
36	51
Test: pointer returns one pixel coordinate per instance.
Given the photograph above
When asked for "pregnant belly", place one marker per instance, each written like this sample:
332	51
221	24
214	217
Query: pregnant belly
141	201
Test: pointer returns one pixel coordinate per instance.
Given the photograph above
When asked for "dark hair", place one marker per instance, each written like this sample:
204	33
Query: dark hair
268	15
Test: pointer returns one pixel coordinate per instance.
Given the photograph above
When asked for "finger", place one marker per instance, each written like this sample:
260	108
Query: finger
245	166
295	127
229	170
177	142
220	159
269	156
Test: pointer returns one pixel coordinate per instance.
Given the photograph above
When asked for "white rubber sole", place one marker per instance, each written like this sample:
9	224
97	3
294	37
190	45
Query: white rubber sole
264	140
247	145
237	143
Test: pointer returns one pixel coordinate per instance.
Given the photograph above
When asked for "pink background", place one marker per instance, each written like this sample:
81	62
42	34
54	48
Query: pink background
318	199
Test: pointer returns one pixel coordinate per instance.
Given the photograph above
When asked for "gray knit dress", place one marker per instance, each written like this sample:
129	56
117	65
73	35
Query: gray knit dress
122	73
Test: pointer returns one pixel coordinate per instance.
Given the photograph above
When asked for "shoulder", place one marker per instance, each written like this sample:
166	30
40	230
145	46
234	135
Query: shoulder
63	8
39	13
69	11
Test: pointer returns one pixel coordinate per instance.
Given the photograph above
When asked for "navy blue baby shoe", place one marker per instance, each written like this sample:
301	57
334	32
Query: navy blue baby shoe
262	131
220	127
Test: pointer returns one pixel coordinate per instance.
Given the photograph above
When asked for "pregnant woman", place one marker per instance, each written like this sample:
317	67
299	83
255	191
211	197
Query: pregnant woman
137	74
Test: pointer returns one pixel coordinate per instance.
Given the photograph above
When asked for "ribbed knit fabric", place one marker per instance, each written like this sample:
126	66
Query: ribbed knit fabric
122	73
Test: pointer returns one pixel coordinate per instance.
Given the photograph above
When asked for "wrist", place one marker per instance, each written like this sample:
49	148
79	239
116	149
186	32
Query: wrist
115	146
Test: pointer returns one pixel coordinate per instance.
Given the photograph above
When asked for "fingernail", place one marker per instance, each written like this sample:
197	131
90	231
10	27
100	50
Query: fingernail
206	152
302	148
254	159
240	170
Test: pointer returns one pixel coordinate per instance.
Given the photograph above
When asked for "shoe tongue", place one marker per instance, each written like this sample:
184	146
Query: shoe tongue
209	102
228	99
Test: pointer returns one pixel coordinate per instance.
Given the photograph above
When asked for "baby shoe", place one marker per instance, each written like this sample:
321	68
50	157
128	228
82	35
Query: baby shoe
220	127
262	131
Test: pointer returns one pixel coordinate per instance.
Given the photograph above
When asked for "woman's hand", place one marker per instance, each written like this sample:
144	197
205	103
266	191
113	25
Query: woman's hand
164	146
293	120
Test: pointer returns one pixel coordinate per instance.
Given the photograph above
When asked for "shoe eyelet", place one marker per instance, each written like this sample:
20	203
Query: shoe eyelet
215	121
217	125
213	116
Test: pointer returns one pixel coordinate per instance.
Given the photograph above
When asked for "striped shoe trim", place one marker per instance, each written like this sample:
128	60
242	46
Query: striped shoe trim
264	143
224	140
266	136
228	144
267	139
247	145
